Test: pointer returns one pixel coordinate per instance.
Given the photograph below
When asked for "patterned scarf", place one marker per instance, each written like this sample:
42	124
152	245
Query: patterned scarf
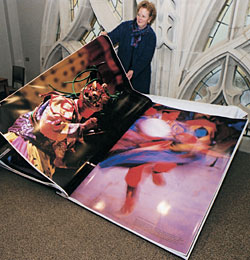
137	33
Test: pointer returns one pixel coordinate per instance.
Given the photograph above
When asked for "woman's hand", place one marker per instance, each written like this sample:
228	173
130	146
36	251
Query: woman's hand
130	74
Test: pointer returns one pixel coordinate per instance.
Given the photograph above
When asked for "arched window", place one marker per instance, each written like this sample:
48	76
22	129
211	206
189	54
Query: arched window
220	30
212	79
220	72
95	30
116	7
226	82
70	24
241	81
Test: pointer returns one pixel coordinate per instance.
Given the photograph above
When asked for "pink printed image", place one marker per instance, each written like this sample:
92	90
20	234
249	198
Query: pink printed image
160	178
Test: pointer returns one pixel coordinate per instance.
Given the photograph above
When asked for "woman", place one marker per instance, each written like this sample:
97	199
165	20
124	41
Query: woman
137	42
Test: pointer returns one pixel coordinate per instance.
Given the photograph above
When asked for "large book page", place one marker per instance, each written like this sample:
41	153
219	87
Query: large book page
161	178
72	114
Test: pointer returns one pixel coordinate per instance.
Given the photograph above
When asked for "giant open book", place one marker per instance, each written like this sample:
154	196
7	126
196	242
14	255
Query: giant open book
151	165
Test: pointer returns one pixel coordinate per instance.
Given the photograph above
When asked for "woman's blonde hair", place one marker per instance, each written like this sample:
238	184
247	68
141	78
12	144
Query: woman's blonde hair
150	7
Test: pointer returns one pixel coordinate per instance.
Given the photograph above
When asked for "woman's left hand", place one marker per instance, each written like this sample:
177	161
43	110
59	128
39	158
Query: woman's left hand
130	74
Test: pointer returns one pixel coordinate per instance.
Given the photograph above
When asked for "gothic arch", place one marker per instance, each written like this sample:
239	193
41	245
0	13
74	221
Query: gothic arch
224	90
59	51
230	53
57	17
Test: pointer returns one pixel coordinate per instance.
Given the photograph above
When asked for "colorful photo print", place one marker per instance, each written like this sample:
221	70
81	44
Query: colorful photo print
160	179
72	113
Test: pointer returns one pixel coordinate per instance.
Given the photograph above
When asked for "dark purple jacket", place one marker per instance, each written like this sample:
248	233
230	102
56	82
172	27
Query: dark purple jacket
140	58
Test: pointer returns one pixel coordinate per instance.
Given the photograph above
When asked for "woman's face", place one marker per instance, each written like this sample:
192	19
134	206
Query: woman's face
143	18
